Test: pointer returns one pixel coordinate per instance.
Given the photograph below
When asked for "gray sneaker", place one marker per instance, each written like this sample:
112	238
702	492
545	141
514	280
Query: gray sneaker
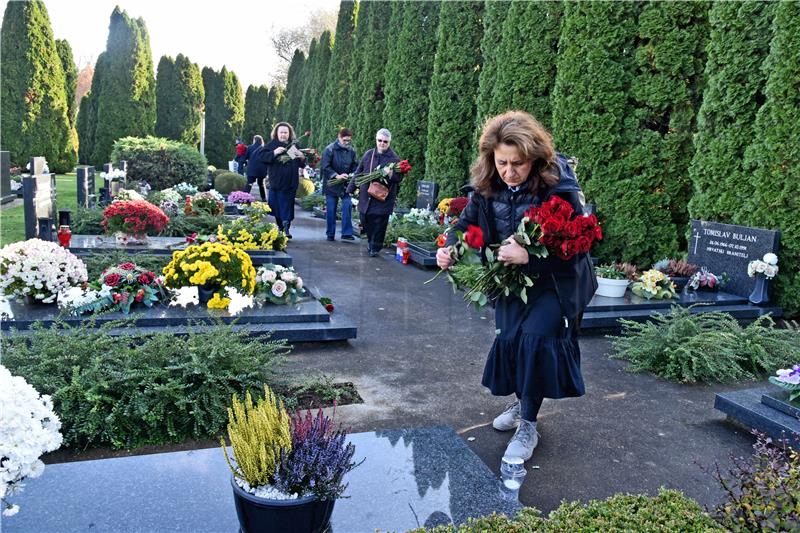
508	419
524	441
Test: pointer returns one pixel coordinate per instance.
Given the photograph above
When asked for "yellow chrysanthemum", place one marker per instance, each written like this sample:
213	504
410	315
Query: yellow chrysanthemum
218	303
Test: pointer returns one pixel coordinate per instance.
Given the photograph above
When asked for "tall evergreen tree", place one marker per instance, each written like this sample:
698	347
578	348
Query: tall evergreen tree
334	101
454	88
408	79
126	104
315	86
275	104
526	65
224	105
70	157
257	116
773	158
494	17
303	121
82	126
370	89
356	74
33	102
294	89
88	124
179	100
738	44
592	119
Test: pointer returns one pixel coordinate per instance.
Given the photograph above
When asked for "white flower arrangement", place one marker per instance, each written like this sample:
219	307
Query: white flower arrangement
278	284
184	189
39	269
28	428
422	217
115	174
76	297
172	195
127	195
766	267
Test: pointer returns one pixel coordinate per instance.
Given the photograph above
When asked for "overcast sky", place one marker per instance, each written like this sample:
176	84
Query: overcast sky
211	33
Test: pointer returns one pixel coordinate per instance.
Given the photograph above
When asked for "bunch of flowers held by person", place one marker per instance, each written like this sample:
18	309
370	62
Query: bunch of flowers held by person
136	217
208	202
38	269
28	428
240	197
184	189
654	284
705	279
562	234
296	143
278	284
117	289
381	173
127	195
463	251
766	267
278	456
789	380
213	265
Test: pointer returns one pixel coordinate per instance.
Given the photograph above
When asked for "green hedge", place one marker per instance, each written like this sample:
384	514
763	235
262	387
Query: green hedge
161	162
133	390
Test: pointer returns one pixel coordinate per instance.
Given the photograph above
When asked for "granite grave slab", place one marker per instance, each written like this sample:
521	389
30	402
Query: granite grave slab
409	478
84	245
729	248
747	408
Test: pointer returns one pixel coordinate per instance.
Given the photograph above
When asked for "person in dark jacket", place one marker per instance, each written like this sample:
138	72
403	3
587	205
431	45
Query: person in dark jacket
284	174
241	151
256	169
536	353
375	213
338	160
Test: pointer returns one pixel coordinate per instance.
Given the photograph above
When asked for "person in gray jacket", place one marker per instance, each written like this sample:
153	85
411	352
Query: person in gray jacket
338	161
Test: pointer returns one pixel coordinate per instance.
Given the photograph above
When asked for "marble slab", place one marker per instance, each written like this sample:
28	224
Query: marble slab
83	245
746	408
409	478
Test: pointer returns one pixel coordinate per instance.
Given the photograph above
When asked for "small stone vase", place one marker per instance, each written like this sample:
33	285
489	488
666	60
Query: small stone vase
760	294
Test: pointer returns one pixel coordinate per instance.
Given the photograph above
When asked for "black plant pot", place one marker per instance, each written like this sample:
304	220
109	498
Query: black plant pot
680	282
259	515
205	293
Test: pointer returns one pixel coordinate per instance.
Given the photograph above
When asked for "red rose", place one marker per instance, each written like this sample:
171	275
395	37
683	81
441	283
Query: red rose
146	278
474	237
112	280
584	244
572	229
117	298
139	295
404	166
552	226
598	233
329	308
127	266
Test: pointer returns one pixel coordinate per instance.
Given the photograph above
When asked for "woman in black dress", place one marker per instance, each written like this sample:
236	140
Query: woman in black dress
536	354
284	174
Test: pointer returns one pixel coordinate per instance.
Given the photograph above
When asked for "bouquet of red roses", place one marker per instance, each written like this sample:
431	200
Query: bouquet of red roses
403	167
561	234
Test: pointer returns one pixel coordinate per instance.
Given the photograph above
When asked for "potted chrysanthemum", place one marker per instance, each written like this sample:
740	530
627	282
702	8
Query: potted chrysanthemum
38	270
28	428
287	471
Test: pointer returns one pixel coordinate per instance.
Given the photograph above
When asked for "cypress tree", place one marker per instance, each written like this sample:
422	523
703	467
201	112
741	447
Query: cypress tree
257	116
408	78
88	125
526	59
773	158
494	17
316	88
224	114
334	101
82	127
305	84
126	104
369	92
34	108
294	89
738	44
454	87
275	103
356	74
70	156
179	99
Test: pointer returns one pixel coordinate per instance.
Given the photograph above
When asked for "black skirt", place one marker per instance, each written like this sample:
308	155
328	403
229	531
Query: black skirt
533	355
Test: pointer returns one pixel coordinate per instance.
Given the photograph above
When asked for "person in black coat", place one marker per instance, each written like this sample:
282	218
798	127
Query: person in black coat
338	160
256	169
535	354
284	174
375	213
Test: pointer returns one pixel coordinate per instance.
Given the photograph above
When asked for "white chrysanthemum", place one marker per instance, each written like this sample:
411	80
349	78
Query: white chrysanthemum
38	268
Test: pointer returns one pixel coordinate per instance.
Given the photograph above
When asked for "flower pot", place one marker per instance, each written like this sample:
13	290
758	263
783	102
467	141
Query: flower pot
30	300
126	239
205	293
259	515
611	288
679	282
760	294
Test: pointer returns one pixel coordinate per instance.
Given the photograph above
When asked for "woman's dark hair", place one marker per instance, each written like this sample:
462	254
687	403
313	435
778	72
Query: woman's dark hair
534	142
274	134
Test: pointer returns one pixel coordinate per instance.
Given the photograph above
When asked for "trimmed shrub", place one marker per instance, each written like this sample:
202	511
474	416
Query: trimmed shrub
160	162
314	75
494	17
87	116
294	89
706	347
356	79
313	200
257	114
454	86
224	106
133	390
227	182
337	84
179	99
408	78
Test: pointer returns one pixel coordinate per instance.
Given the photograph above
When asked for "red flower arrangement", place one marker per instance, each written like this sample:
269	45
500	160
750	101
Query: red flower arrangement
134	217
561	234
457	205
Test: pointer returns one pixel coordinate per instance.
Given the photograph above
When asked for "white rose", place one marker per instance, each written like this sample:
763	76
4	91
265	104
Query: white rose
299	282
268	275
770	258
278	288
288	277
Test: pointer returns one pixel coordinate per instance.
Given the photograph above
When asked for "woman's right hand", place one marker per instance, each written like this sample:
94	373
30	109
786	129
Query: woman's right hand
279	150
443	259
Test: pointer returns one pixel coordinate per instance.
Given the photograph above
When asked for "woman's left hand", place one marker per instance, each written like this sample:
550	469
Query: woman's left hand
511	253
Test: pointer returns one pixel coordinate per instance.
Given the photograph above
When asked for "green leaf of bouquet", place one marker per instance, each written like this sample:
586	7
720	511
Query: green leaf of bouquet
523	295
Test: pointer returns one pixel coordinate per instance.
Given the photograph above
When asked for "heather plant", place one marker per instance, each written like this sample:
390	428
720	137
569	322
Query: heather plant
707	347
318	460
609	272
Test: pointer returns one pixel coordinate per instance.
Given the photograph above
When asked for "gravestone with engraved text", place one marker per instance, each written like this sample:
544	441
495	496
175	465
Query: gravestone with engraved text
427	191
39	201
728	248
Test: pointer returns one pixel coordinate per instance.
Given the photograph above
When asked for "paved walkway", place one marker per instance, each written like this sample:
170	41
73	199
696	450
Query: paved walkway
418	361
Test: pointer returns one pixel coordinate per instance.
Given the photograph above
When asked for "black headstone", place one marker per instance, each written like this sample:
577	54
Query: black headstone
728	248
86	186
6	195
108	167
39	201
427	191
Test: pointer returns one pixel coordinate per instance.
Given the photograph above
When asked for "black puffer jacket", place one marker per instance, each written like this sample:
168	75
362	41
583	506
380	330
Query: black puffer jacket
282	176
337	159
